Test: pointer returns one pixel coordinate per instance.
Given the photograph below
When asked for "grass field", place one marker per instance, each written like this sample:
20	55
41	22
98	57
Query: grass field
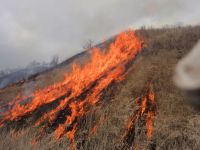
176	126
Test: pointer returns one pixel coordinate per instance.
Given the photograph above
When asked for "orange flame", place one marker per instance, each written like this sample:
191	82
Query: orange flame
33	142
82	88
147	109
149	125
143	105
97	125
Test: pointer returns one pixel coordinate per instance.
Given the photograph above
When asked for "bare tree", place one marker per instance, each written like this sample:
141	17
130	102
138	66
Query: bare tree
55	60
88	45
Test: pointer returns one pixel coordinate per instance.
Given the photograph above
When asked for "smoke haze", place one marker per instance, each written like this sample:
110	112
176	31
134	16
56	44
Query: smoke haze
39	29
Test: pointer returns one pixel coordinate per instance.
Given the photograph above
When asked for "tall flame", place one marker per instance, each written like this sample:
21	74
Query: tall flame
80	90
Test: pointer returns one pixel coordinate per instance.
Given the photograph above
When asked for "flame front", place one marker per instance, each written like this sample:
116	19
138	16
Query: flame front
146	109
80	90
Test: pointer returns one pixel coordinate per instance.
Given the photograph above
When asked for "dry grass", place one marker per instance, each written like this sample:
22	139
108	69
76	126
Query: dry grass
177	125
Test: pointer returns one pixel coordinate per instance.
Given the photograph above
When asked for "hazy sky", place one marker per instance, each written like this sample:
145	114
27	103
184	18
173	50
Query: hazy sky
39	29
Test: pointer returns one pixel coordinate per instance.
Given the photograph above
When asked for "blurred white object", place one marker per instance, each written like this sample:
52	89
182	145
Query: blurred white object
187	73
187	76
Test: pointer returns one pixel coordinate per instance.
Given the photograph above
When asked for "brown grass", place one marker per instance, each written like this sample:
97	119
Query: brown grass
177	125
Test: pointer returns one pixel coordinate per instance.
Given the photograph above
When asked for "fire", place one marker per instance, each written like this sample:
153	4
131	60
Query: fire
146	111
80	90
149	125
143	105
33	142
97	125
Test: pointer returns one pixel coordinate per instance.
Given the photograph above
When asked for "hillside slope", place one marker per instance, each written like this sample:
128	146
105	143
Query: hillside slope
176	125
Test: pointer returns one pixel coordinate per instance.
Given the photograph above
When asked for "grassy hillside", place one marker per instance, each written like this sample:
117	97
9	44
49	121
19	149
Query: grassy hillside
176	126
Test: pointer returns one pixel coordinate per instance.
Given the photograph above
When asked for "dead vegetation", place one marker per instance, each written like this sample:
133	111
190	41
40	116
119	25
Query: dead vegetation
177	125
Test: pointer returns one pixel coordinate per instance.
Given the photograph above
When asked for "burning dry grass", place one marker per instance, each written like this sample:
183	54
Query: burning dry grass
71	99
144	115
176	125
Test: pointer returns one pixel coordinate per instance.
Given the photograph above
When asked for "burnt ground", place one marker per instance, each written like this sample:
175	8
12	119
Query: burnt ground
176	126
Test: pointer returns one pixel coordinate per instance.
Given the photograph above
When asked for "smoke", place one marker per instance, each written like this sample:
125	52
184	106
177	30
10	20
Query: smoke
39	29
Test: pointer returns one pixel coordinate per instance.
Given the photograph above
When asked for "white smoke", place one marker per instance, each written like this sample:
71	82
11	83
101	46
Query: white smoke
38	29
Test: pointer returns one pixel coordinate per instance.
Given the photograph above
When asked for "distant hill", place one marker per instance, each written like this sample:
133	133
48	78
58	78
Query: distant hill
21	74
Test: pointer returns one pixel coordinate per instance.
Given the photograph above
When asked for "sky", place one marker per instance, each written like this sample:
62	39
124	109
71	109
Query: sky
40	29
